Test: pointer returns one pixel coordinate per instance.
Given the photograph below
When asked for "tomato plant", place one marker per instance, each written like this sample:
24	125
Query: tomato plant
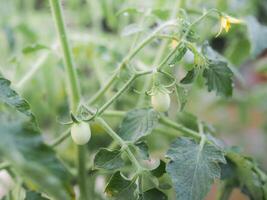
115	99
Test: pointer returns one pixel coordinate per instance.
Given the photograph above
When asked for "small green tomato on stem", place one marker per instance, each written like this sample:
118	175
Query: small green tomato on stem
80	133
160	98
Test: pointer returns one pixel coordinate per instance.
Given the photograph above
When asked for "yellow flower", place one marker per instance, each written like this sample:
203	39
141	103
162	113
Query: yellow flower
173	44
226	22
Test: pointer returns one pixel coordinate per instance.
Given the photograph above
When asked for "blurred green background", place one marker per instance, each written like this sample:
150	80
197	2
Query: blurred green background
99	41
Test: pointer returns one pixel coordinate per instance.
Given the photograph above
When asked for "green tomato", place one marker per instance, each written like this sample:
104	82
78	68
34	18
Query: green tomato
80	133
160	101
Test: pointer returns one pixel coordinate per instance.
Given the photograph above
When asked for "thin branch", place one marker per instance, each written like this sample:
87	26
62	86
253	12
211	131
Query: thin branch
127	59
60	139
122	90
122	143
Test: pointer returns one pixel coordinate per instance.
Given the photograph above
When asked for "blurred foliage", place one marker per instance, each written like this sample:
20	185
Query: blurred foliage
101	32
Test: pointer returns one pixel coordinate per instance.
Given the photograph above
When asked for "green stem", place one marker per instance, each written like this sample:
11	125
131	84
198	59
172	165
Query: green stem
186	131
72	81
198	12
161	65
140	185
148	80
114	113
106	86
82	172
133	159
149	38
163	120
126	85
137	36
179	127
225	189
162	50
108	129
177	4
109	102
127	59
121	142
74	88
60	139
198	20
166	59
170	37
234	157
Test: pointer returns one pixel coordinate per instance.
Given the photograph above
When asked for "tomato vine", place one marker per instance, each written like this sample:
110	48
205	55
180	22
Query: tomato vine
192	160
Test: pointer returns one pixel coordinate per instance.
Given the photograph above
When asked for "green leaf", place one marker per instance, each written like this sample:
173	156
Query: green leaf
148	181
120	188
191	36
138	123
165	182
189	78
31	195
227	170
215	57
165	186
108	159
33	48
193	168
182	94
219	78
160	170
257	36
142	150
153	194
22	146
248	178
10	97
181	51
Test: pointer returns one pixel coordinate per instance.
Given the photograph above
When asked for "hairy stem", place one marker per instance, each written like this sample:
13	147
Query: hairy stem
179	127
121	142
123	89
74	89
72	81
166	59
163	48
127	59
163	120
177	4
61	138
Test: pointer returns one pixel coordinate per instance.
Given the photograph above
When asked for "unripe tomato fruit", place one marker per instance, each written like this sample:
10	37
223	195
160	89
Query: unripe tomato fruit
80	133
160	101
